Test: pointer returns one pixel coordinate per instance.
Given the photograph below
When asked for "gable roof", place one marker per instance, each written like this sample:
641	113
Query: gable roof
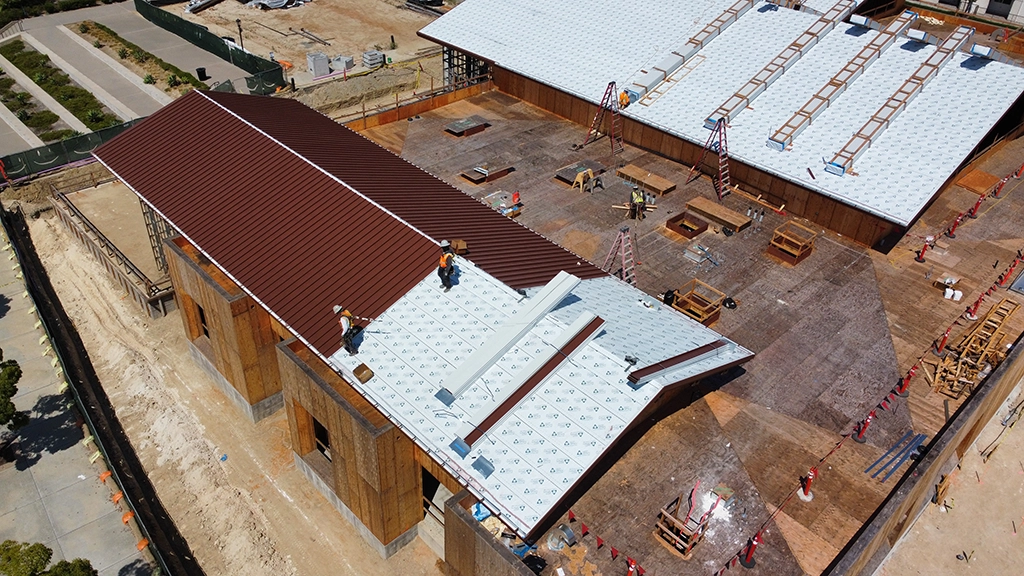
240	177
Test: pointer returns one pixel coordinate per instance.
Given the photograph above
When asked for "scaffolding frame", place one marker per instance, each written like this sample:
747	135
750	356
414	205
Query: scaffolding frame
461	68
158	230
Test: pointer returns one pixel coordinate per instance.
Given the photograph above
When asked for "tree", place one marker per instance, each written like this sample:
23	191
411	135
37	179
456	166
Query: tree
10	373
22	559
77	567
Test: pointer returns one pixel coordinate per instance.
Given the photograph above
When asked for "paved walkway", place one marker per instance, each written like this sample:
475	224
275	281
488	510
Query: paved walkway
123	19
51	493
10	140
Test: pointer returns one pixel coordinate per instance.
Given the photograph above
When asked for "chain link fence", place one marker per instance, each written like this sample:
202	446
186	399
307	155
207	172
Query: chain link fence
267	75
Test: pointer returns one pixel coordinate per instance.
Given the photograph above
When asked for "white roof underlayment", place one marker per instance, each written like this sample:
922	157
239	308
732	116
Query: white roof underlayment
542	447
559	44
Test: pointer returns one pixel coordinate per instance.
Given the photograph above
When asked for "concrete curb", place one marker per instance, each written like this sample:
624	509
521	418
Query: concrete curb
116	66
82	80
43	98
19	127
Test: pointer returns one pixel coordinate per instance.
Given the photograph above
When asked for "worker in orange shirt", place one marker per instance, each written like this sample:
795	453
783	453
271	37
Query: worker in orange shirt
446	265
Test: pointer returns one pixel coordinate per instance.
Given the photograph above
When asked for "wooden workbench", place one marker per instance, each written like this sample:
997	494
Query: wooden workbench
715	212
568	173
648	181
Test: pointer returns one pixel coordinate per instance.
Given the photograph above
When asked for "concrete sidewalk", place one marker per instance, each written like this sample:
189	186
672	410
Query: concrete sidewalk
123	19
115	91
51	493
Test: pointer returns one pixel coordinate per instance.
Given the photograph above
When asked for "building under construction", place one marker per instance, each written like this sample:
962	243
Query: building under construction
540	382
511	387
853	124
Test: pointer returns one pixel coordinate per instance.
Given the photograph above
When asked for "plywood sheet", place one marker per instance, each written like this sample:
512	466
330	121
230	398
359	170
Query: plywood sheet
978	182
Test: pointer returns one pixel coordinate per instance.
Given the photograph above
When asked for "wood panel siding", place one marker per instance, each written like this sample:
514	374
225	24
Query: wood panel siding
241	335
856	224
376	472
469	549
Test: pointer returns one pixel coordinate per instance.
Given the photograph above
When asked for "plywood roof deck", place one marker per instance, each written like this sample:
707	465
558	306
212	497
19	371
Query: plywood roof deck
831	337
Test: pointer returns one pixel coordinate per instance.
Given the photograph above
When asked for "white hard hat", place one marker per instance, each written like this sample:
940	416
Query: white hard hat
445	243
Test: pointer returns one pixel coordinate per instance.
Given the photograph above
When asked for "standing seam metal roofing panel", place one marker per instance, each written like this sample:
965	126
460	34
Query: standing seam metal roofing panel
504	248
292	236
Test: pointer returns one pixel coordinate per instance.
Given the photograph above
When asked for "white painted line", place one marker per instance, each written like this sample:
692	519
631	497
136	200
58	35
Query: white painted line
43	98
19	127
108	100
153	92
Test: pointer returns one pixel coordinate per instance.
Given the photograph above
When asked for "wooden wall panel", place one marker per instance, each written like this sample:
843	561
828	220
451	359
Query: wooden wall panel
858	225
376	474
469	549
242	336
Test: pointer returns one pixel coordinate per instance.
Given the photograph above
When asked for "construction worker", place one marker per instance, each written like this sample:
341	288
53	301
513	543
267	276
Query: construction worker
637	204
348	330
446	265
623	99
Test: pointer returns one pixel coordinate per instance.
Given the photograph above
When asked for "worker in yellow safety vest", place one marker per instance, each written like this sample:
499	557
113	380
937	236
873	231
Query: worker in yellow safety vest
637	204
623	99
446	265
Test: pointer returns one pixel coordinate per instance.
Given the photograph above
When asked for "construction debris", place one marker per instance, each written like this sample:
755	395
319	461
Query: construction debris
978	352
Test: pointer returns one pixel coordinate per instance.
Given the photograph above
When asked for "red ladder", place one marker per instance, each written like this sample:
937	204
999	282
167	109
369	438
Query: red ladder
609	103
621	254
717	139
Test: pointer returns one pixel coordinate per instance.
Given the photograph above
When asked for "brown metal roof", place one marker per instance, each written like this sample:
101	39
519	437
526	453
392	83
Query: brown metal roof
248	180
290	235
504	248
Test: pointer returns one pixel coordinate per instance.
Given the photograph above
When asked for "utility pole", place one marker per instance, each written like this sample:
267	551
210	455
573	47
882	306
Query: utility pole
241	44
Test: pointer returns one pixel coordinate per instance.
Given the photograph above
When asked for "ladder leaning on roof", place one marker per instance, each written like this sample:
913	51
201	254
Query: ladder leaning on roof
717	141
610	104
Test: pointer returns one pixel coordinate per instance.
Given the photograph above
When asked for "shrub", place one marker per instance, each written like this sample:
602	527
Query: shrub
22	97
42	119
148	79
39	77
22	114
173	81
97	44
54	135
122	52
83	27
140	55
6	83
94	116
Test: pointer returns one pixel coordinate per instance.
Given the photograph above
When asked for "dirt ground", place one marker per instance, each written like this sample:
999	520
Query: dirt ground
231	486
982	517
351	27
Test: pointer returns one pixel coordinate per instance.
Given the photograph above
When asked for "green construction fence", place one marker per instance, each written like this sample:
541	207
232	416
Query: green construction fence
50	156
267	75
